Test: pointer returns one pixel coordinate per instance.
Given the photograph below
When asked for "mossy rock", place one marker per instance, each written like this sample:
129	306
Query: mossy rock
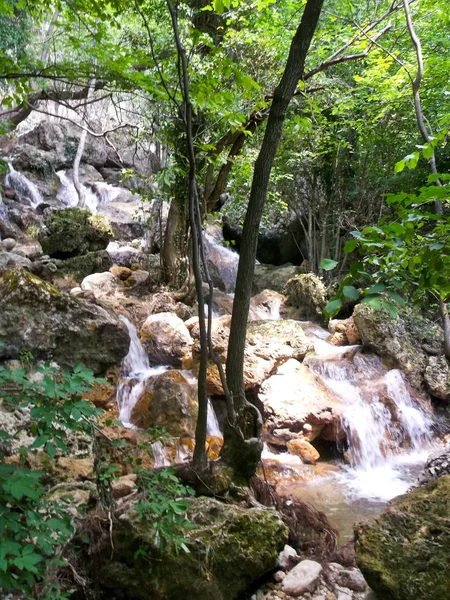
230	548
73	232
38	318
80	267
405	553
308	294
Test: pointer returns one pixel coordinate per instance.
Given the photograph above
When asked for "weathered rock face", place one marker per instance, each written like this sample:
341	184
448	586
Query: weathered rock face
390	338
35	316
307	292
166	339
404	554
437	377
230	547
270	277
296	402
268	344
169	400
73	232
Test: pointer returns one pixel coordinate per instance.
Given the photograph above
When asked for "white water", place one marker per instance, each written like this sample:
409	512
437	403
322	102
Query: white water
3	212
224	260
67	195
387	431
26	190
136	371
159	455
212	424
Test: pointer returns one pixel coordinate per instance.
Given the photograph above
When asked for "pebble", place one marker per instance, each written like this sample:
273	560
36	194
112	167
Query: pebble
304	577
9	244
287	557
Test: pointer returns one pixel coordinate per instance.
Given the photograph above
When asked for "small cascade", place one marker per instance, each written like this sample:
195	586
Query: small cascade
136	371
67	195
159	455
107	192
26	190
223	261
212	424
384	424
3	212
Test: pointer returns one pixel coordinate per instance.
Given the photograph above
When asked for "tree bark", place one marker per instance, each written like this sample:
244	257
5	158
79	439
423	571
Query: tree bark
446	325
242	439
76	163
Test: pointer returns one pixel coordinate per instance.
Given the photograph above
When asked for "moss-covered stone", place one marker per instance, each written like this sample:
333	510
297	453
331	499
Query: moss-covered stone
307	292
230	547
405	553
38	318
80	267
73	232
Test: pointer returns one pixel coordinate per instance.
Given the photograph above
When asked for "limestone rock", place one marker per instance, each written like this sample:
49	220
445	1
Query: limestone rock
287	557
303	578
37	317
307	292
101	284
404	553
230	547
166	339
304	450
437	377
270	277
73	232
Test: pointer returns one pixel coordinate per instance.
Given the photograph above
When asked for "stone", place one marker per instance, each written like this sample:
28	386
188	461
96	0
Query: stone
101	284
287	557
124	486
352	579
31	250
304	450
230	548
337	339
438	464
121	272
352	332
268	304
344	596
404	553
304	577
271	277
73	232
80	267
137	278
74	469
279	576
37	317
437	377
10	260
166	339
9	244
308	294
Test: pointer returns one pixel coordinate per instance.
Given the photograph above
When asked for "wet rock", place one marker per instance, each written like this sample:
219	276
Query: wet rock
437	377
230	547
37	317
268	304
391	339
304	450
307	292
168	400
270	277
101	284
303	578
436	466
294	397
404	553
166	339
337	339
73	232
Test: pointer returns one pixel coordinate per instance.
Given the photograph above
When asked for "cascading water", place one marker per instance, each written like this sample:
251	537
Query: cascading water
224	260
212	424
3	212
26	190
136	371
67	195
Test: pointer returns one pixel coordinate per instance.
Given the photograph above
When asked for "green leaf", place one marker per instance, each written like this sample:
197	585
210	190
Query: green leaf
332	308
396	297
350	246
328	264
427	151
350	292
377	288
399	166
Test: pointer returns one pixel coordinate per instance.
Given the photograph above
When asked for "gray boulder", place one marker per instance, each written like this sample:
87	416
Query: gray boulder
437	377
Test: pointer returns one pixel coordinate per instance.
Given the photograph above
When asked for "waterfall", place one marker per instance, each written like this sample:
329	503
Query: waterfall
106	192
212	424
25	189
136	371
384	424
67	195
159	455
223	261
3	212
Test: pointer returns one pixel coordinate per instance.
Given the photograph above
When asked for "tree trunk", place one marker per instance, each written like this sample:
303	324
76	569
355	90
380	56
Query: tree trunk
242	438
446	325
76	163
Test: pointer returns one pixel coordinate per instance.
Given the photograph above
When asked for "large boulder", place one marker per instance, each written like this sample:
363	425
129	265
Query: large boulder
437	377
392	339
268	344
166	339
169	401
80	267
308	294
73	232
11	260
230	547
270	277
36	317
405	553
102	284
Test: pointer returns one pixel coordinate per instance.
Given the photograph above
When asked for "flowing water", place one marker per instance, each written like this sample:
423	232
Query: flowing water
26	190
3	212
388	434
136	371
224	261
99	193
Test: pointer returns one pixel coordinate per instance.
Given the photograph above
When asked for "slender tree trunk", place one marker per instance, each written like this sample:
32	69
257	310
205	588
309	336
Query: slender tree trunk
242	439
446	325
76	163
